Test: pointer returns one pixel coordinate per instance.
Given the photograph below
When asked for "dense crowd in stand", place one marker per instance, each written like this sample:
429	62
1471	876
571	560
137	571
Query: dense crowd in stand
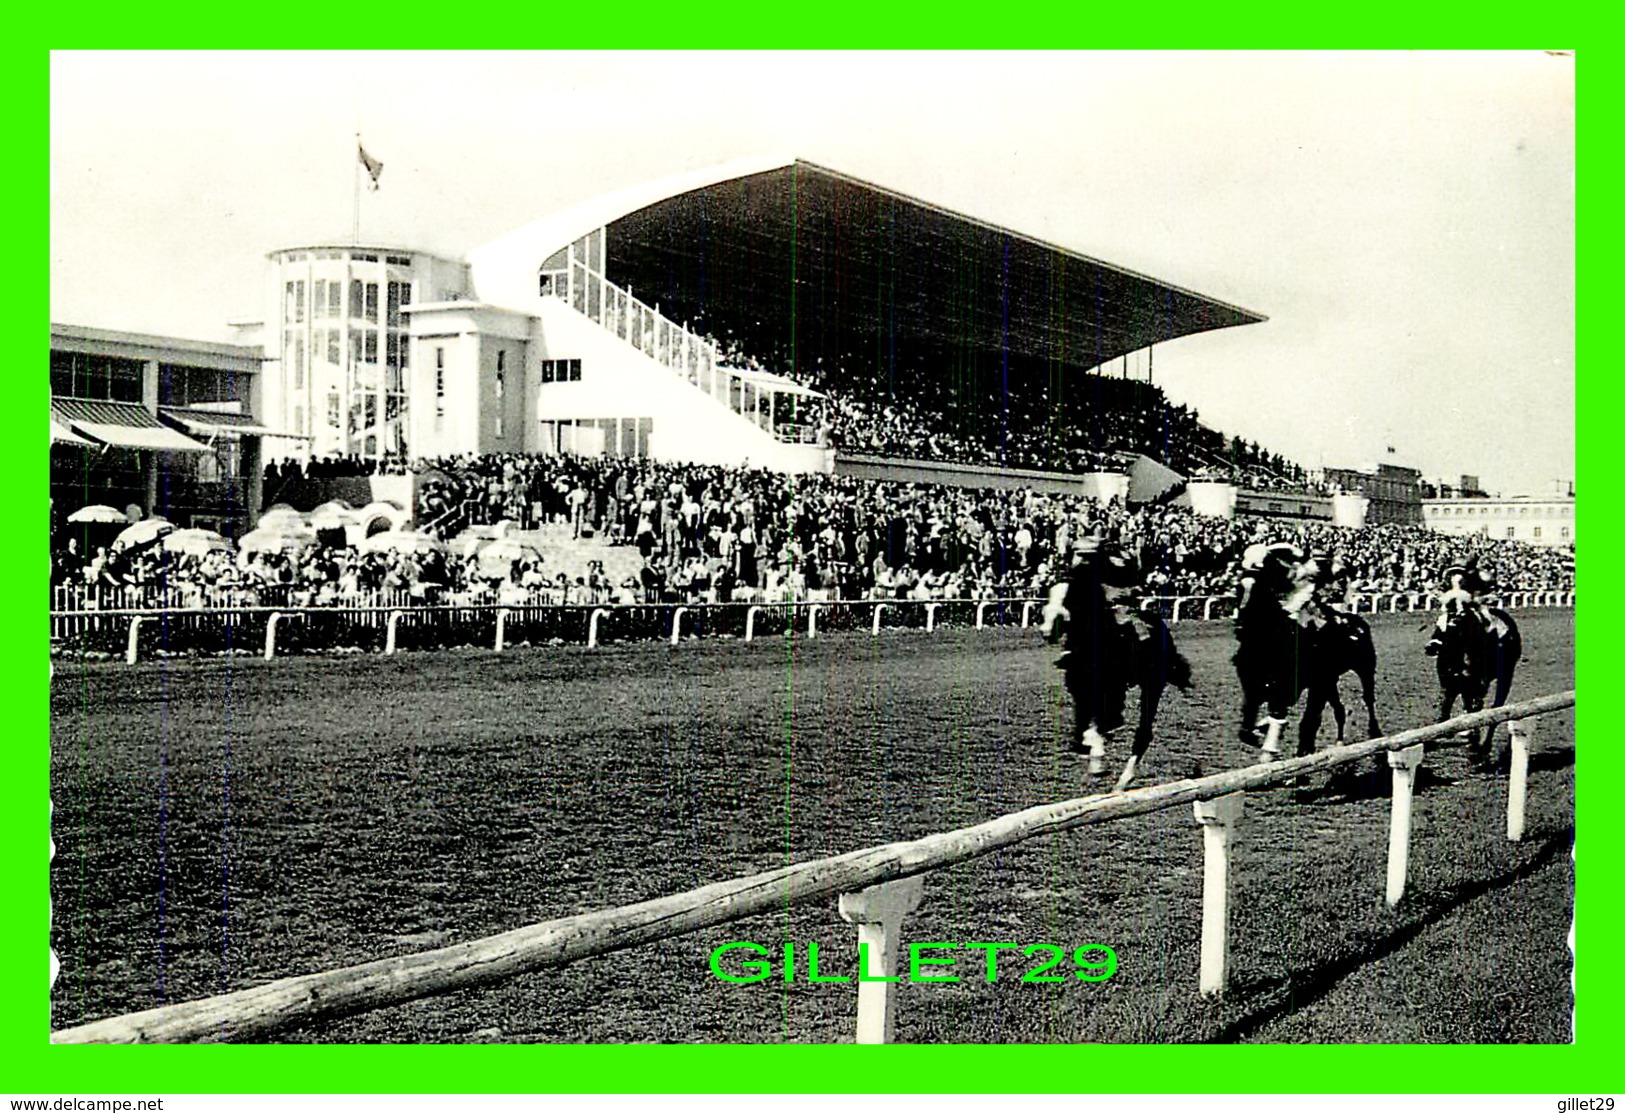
706	533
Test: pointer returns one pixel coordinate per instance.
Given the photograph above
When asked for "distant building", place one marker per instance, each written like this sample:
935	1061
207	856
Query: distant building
165	425
1395	493
1537	519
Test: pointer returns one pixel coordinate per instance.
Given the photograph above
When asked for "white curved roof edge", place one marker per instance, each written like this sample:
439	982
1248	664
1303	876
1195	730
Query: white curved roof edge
504	269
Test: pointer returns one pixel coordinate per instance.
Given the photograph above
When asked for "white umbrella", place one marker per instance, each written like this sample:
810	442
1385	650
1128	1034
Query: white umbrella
101	515
196	542
144	532
275	541
402	541
328	517
281	517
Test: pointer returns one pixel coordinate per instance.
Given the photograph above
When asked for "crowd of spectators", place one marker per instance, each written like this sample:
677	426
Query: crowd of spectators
704	533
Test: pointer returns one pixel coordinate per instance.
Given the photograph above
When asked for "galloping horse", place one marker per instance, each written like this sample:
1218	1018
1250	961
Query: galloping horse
1290	645
1111	649
1471	652
1340	643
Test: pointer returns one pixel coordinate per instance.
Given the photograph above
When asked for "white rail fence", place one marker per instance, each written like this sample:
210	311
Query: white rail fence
877	887
381	617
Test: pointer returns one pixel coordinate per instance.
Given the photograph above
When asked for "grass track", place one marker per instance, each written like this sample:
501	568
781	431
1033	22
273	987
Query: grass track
220	823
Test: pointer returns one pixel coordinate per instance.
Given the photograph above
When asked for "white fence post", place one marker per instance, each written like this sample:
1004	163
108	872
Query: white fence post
750	622
677	624
1177	603
1027	613
270	634
592	627
1393	604
133	649
390	632
878	911
502	630
1523	741
981	610
1207	607
931	616
1404	764
812	621
1218	818
880	609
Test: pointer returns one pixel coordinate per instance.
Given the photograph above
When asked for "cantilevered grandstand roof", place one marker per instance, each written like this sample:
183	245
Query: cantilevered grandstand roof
802	264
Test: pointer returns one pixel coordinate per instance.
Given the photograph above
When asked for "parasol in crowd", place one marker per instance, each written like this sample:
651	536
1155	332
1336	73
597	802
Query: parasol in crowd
402	541
265	540
496	560
282	517
196	542
99	515
144	532
332	515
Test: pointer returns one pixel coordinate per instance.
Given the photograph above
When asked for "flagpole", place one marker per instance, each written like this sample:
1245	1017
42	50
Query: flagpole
355	224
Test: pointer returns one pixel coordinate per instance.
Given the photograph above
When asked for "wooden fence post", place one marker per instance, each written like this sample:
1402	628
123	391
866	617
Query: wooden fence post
390	632
133	649
1027	613
931	616
1207	607
1218	818
812	621
592	627
1404	764
981	611
880	609
750	622
677	624
502	630
878	911
1523	743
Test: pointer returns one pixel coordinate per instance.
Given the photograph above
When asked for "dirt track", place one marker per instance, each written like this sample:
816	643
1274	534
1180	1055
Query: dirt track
224	822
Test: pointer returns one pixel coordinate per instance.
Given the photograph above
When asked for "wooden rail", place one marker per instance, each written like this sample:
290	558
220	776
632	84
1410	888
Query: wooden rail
250	1014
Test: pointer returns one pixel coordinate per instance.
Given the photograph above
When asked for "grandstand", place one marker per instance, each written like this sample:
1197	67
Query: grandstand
768	311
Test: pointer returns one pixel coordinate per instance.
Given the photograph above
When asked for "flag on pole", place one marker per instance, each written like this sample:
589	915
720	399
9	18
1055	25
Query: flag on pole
374	167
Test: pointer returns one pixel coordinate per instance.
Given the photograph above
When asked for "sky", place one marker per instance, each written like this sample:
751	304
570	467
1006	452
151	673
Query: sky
1404	220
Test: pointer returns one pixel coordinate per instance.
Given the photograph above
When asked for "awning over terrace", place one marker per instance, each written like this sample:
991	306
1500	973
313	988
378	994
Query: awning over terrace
210	423
122	425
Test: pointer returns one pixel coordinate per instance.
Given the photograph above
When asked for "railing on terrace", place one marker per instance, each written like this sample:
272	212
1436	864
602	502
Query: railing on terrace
685	352
877	887
390	622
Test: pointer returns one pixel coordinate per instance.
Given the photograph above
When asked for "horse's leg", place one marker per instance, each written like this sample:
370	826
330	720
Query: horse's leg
1314	705
1082	713
1150	696
1368	692
1339	714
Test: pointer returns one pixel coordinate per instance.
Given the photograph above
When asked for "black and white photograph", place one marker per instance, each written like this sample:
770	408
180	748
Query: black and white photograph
781	547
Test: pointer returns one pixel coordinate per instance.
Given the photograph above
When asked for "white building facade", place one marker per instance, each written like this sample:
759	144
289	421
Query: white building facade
1538	520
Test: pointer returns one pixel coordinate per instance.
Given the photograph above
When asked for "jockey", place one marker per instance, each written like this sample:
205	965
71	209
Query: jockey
1463	584
1277	580
1098	602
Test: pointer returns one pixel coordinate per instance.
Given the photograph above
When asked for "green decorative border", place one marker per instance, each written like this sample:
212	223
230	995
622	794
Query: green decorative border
32	1065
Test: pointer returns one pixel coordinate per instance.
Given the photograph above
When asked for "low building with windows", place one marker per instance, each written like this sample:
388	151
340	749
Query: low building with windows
160	424
1536	519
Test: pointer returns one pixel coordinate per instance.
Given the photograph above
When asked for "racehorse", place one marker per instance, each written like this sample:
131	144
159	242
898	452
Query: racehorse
1470	654
1340	643
1138	652
1290	643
